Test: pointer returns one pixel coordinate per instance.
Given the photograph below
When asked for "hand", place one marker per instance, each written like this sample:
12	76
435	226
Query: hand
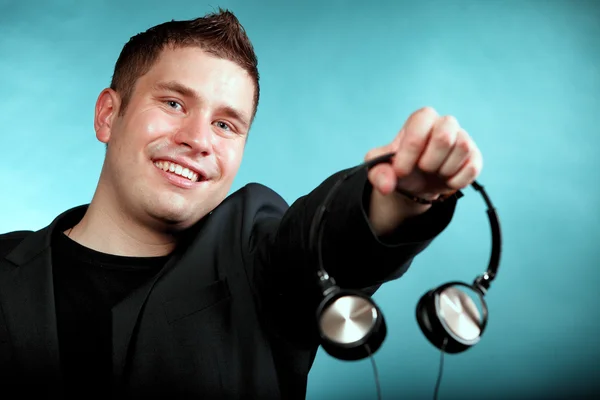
433	156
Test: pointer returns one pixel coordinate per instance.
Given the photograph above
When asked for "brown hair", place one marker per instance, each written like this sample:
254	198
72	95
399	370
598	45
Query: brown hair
219	33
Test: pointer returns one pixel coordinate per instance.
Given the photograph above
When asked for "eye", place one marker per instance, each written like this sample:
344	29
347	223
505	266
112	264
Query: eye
173	104
223	125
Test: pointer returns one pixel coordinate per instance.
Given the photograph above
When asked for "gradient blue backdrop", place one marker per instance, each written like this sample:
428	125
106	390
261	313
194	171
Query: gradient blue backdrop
337	79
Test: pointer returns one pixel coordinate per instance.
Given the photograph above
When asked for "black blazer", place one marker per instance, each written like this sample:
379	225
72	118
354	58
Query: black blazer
231	315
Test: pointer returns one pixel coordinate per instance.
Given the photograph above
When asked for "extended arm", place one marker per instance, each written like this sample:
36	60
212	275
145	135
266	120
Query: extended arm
371	234
284	270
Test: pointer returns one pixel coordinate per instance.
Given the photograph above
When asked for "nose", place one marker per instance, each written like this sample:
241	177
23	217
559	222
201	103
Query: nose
196	133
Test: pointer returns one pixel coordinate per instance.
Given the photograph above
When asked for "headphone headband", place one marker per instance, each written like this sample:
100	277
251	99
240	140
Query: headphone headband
483	281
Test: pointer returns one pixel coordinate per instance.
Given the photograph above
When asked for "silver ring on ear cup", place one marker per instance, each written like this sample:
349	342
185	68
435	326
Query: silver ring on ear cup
351	326
448	313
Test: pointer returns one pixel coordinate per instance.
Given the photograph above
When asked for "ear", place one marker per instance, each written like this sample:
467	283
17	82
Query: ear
107	110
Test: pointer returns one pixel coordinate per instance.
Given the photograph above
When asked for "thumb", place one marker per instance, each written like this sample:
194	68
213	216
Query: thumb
382	176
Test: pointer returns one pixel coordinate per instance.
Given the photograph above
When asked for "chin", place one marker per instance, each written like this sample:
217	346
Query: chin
179	214
174	221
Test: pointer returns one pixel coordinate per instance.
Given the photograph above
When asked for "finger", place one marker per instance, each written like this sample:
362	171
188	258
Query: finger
468	172
383	178
413	140
440	144
379	151
459	155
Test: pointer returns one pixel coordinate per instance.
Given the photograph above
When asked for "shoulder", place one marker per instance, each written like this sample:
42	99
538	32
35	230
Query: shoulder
260	191
252	213
10	240
246	208
255	197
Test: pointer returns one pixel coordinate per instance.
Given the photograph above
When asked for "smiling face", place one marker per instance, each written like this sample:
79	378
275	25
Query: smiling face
174	152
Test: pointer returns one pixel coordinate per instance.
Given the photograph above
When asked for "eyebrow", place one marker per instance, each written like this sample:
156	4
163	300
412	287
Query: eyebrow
186	91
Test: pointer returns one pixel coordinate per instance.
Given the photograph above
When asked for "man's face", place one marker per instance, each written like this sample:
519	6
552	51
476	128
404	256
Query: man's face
173	155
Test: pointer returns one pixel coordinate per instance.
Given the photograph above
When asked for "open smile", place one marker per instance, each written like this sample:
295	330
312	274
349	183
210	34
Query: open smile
179	175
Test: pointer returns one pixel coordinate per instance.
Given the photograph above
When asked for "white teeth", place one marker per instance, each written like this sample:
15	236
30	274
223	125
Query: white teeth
177	169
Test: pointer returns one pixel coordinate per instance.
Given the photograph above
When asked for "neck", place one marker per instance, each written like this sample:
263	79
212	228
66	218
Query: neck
108	229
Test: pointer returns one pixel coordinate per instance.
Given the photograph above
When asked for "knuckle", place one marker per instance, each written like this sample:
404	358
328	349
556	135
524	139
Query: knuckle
445	172
472	170
413	144
425	165
370	155
400	168
456	185
443	138
428	110
463	145
450	120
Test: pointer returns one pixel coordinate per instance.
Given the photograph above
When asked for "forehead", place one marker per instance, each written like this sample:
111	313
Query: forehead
215	79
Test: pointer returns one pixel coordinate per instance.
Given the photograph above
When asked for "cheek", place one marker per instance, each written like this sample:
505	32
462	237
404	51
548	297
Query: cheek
230	156
160	126
152	124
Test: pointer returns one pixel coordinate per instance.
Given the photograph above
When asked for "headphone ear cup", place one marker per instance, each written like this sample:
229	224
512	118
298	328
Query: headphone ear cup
424	320
431	326
358	351
350	324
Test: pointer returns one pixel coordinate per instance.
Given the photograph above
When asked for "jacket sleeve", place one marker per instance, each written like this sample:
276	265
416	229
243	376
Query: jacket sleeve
284	269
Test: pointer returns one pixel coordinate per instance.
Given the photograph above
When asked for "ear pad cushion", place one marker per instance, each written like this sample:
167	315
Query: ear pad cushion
431	326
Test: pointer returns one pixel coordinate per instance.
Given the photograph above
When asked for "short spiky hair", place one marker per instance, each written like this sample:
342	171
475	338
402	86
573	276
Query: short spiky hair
219	33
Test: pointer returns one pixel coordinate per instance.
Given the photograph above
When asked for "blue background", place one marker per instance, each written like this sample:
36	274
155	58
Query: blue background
340	77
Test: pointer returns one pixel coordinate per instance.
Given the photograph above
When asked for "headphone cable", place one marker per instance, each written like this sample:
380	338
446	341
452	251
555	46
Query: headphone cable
375	372
438	380
440	371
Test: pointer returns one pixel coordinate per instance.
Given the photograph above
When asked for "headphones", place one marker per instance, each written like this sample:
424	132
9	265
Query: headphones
352	327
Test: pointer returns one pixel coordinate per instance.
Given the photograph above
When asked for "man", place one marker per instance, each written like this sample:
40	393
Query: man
162	286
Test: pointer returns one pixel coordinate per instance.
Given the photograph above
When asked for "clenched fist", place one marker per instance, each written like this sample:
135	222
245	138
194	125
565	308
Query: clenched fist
433	156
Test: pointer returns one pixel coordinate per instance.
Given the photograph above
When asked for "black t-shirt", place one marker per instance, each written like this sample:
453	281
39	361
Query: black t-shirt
87	284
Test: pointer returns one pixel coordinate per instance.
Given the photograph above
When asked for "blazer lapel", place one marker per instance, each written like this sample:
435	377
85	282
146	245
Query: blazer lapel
125	317
126	314
27	298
